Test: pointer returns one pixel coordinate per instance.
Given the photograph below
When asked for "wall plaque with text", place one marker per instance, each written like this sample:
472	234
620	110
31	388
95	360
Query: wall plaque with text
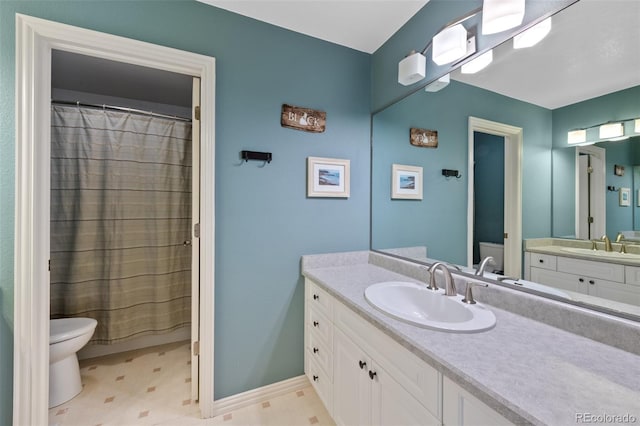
306	119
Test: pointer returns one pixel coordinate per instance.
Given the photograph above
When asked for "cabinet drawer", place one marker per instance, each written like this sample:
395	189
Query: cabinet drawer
586	268
421	380
560	280
319	326
545	261
320	352
318	298
321	382
632	275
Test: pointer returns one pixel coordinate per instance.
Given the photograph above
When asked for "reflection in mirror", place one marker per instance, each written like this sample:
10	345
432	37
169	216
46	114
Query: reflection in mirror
562	84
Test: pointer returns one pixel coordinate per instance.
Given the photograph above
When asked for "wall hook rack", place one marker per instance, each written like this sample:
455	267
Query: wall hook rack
451	173
255	155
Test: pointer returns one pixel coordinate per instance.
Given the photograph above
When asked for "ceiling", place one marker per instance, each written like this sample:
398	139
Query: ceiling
359	24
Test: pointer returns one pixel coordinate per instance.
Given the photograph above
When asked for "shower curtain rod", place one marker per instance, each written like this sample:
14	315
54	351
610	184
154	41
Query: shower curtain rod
117	108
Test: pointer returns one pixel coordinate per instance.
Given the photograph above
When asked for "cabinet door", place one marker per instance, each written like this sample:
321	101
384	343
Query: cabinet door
351	383
460	408
392	405
624	293
560	280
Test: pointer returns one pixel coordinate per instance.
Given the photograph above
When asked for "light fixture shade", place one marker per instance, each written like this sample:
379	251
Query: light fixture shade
439	84
412	69
533	35
611	130
478	64
501	15
637	126
577	136
449	44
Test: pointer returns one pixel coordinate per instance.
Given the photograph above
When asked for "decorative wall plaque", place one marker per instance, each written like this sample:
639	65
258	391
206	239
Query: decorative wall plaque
306	119
423	138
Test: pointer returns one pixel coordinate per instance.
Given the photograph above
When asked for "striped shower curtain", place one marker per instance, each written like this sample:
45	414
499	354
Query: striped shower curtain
120	215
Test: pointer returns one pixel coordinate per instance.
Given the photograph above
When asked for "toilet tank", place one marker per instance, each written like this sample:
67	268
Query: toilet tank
494	250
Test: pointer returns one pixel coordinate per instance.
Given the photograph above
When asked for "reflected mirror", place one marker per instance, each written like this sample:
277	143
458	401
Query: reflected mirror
583	74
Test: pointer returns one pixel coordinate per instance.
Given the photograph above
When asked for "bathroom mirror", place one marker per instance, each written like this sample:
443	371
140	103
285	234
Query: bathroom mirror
511	91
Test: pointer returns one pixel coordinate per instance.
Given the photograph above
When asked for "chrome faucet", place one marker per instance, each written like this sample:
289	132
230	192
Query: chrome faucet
619	237
483	265
607	243
468	294
450	286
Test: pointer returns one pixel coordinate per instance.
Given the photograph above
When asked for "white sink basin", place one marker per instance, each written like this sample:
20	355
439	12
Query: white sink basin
601	253
417	305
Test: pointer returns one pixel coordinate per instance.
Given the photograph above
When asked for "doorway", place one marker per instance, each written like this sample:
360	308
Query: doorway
512	237
590	192
36	39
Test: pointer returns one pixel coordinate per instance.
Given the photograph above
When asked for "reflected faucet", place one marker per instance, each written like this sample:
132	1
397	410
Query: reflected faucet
483	265
619	237
607	243
450	286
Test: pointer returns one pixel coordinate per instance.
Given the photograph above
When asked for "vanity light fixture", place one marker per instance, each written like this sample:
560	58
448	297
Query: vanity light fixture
577	136
449	44
501	15
412	68
611	130
637	125
533	35
477	64
439	84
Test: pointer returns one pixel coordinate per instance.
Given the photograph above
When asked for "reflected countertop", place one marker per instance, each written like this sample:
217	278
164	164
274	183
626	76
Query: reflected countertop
563	247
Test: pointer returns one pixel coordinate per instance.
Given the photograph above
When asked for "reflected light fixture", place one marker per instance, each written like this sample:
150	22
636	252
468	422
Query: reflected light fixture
501	15
449	44
637	125
533	35
577	136
412	69
439	84
611	130
478	64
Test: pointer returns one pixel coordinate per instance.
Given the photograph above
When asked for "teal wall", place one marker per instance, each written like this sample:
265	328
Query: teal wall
439	221
488	190
621	105
264	222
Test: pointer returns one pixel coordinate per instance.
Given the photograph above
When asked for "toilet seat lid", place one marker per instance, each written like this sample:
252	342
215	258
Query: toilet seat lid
67	328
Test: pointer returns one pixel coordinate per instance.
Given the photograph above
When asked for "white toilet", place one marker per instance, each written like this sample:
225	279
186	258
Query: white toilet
494	250
66	337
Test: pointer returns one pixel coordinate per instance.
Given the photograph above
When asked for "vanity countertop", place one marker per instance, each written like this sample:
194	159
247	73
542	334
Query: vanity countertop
529	372
561	247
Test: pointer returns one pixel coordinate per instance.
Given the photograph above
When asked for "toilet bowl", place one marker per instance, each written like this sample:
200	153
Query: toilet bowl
66	337
494	250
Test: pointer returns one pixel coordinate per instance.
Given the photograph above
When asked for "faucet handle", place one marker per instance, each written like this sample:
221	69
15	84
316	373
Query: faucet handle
623	248
594	245
468	294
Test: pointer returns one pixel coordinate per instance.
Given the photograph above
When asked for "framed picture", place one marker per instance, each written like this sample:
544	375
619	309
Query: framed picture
618	170
406	182
327	177
624	195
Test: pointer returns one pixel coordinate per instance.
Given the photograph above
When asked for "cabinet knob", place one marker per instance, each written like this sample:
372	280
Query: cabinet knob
315	350
362	364
315	378
315	323
316	297
372	374
581	280
592	282
540	260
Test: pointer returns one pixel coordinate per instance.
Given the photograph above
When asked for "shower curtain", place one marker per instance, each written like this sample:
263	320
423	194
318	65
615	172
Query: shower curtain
120	217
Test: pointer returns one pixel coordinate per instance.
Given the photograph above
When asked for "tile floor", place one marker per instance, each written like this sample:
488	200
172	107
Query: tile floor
152	386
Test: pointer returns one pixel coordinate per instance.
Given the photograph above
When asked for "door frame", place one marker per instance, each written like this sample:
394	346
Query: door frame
35	38
513	141
598	190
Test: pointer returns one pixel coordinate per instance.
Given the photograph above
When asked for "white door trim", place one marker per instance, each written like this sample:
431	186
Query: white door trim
35	38
512	191
598	191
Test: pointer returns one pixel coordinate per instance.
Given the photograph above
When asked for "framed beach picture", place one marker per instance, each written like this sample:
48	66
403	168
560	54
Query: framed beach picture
406	182
624	196
327	177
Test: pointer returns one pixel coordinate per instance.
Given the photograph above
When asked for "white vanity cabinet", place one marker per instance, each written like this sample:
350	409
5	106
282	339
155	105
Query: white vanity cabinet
602	279
462	408
368	378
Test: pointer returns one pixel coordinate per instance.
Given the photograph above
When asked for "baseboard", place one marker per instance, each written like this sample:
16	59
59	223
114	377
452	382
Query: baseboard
258	395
